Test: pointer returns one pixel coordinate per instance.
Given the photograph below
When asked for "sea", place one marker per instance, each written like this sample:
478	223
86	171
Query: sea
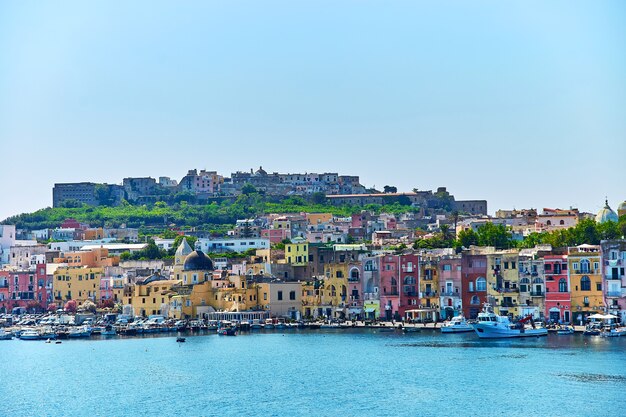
359	372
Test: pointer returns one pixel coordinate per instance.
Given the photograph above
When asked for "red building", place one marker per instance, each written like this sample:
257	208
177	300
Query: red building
473	283
558	297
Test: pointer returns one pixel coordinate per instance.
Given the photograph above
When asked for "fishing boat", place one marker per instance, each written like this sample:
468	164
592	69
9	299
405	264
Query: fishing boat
29	334
457	324
493	326
269	324
79	332
565	330
227	331
108	330
280	324
5	335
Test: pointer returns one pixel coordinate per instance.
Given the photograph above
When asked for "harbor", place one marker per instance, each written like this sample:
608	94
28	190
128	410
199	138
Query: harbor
317	372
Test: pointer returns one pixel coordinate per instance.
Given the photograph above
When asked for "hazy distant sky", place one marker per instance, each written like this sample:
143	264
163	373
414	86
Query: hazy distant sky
520	103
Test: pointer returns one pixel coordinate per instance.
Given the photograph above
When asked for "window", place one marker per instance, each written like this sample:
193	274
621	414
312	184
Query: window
280	295
481	284
292	295
447	267
506	265
596	266
599	286
584	266
475	300
409	280
471	286
562	222
585	283
562	285
513	265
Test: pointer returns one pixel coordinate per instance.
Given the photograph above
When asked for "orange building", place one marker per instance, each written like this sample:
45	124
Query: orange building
95	258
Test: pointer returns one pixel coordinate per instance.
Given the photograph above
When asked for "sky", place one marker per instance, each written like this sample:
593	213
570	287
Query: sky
521	103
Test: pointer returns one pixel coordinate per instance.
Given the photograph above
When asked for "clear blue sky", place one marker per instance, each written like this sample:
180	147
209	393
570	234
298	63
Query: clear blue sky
520	103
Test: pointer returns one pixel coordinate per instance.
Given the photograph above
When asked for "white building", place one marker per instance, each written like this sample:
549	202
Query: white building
232	245
7	240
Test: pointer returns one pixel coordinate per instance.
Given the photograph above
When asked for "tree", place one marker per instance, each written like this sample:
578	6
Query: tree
108	303
89	306
498	236
52	307
70	306
34	306
318	198
468	238
390	189
248	189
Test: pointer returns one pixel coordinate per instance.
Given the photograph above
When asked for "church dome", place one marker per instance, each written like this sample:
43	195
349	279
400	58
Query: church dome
198	261
621	209
606	214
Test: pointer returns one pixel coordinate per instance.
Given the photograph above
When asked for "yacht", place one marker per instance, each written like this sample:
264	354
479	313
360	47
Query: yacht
457	324
492	326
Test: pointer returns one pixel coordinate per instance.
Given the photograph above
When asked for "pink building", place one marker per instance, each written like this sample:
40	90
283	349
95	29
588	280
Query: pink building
558	298
408	274
274	235
25	288
390	294
450	282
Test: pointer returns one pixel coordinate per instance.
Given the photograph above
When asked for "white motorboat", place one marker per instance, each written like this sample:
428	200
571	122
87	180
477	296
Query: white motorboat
30	334
256	324
492	326
458	324
108	330
269	324
5	335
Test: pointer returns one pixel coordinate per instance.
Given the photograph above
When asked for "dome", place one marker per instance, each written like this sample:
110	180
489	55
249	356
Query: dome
606	215
198	261
621	209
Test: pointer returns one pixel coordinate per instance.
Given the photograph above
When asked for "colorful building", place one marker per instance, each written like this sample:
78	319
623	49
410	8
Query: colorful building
390	291
558	298
450	284
474	282
585	277
613	265
79	284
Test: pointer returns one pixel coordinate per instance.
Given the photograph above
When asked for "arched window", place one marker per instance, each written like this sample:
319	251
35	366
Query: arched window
585	283
354	274
475	300
549	223
562	285
562	222
524	285
409	280
394	286
584	266
333	291
481	284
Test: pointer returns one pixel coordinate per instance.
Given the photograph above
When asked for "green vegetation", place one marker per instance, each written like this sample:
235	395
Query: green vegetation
500	236
209	217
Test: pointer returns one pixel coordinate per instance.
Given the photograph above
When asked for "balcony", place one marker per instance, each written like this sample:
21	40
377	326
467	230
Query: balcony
537	293
4	285
614	294
450	294
507	304
429	294
371	296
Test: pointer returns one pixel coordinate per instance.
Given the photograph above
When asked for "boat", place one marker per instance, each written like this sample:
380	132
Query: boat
108	330
280	324
256	325
5	335
212	325
457	324
593	329
269	324
80	331
47	333
29	334
227	331
386	329
412	329
492	326
180	339
565	330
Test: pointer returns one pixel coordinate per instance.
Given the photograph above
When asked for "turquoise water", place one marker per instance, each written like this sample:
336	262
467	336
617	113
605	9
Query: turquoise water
353	373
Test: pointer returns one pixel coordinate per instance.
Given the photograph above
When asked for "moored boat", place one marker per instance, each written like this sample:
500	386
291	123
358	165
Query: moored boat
269	324
565	330
457	324
5	335
79	332
493	326
29	334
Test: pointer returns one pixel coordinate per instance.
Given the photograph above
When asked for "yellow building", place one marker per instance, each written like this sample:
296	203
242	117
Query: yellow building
336	286
503	281
585	277
428	287
79	284
318	218
297	252
151	296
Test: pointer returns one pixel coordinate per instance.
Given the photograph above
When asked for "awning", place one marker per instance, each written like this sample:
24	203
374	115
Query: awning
370	310
355	310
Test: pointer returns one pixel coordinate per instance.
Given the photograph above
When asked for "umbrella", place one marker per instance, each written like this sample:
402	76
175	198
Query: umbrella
609	316
596	316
